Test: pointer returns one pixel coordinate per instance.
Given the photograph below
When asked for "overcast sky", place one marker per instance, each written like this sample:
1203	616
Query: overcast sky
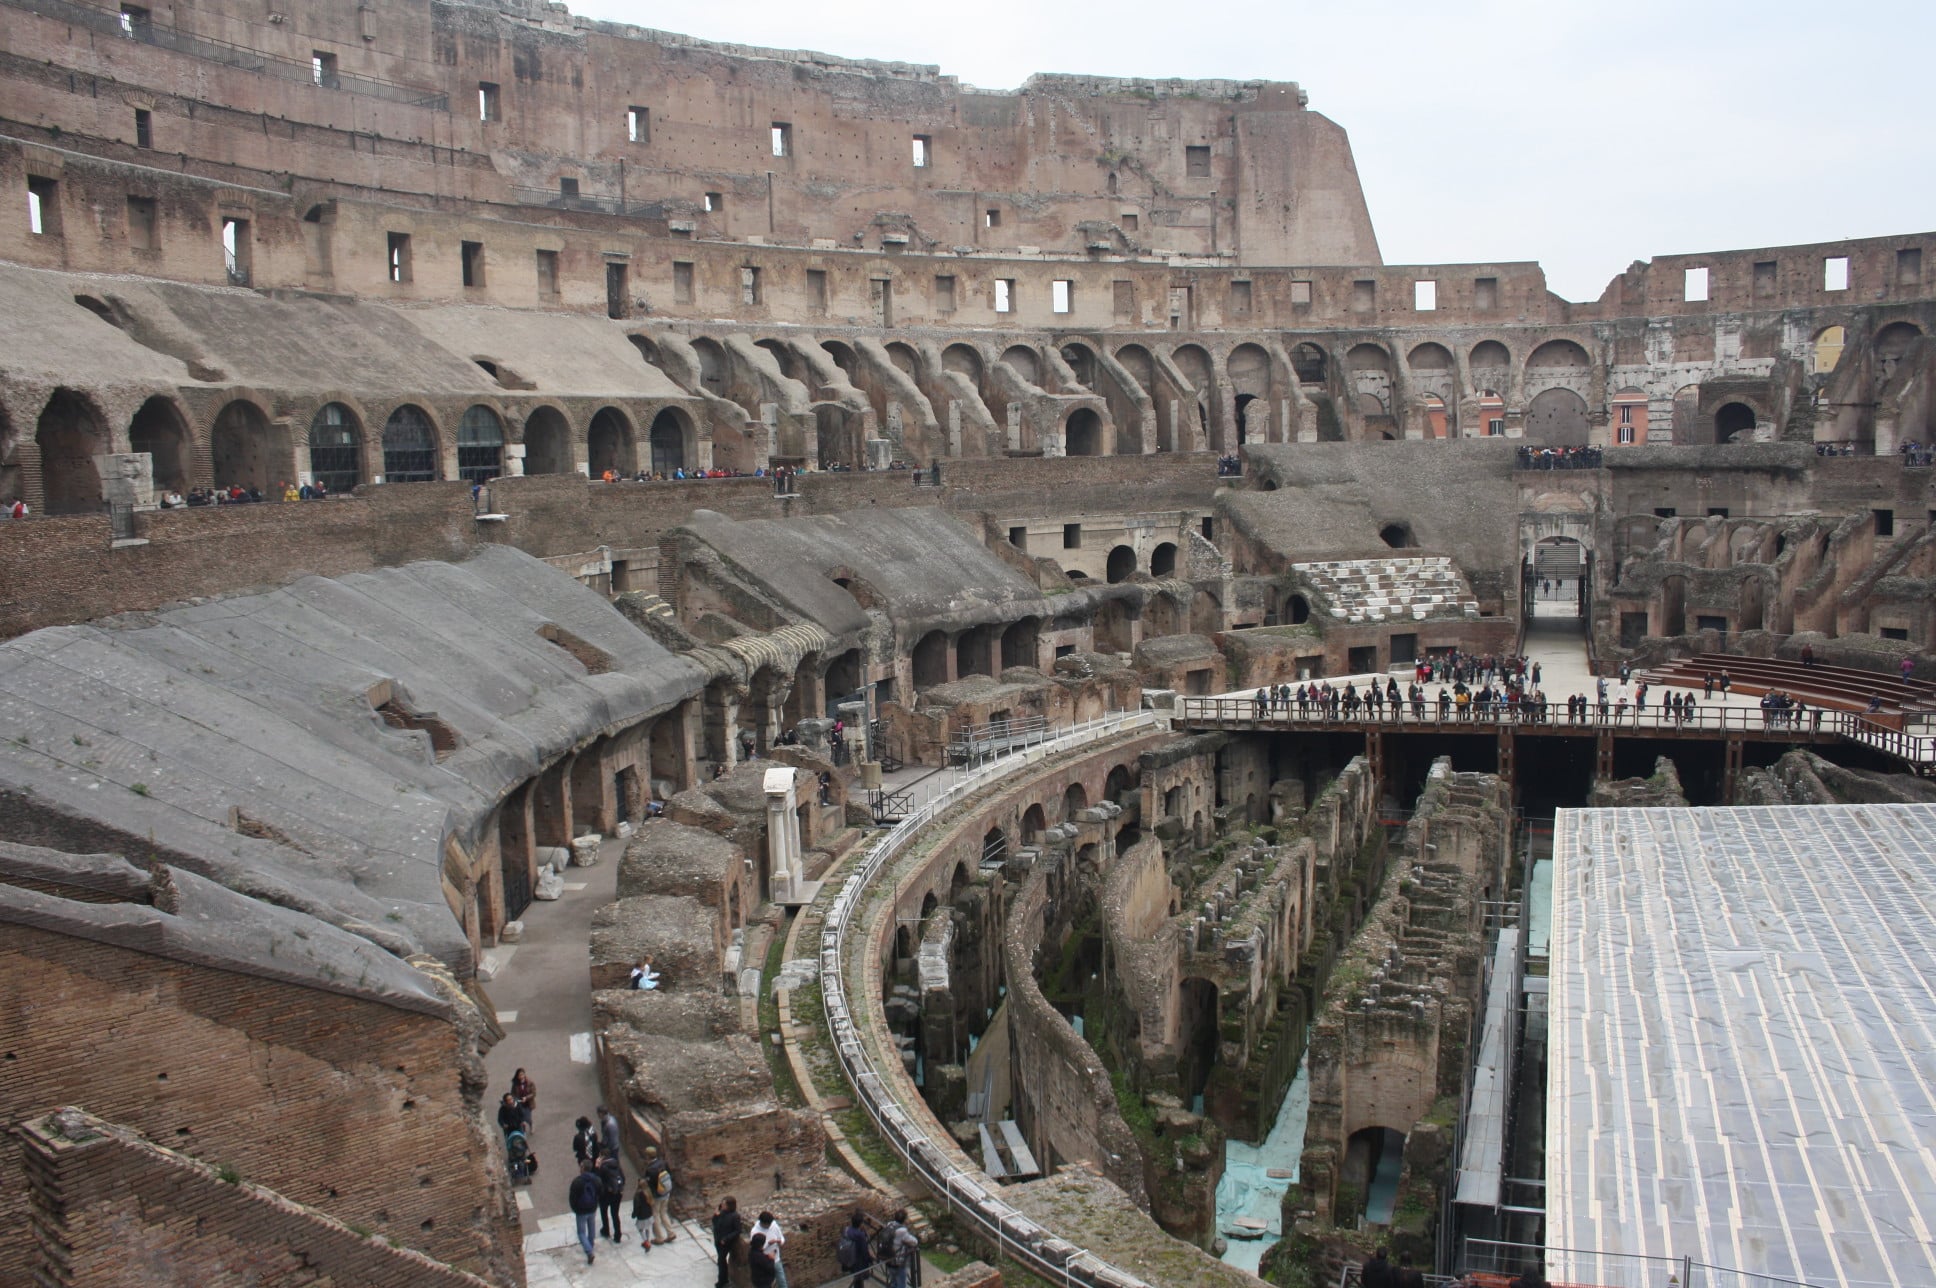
1582	135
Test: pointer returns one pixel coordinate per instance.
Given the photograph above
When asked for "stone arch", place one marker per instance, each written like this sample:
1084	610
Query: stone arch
1367	357
480	445
1732	419
1557	418
1297	609
410	446
1021	642
783	357
71	432
1430	356
712	365
1398	536
1081	361
609	443
903	356
671	432
1250	370
1194	364
1136	360
647	350
1025	362
1564	354
1163	559
1309	364
160	430
963	360
335	447
547	442
1892	344
1074	799
1082	433
245	449
845	358
1121	563
929	660
1490	354
1034	823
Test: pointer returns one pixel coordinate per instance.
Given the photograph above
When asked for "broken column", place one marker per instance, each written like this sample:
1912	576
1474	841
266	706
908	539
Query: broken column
783	835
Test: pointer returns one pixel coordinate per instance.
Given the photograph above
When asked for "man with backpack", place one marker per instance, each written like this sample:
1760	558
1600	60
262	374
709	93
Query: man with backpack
586	1191
659	1177
894	1247
853	1254
728	1226
611	1180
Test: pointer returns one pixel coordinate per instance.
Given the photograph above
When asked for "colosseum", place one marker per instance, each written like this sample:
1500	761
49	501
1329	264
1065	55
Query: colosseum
897	646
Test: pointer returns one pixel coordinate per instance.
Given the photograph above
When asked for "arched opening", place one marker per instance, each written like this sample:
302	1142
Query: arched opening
1673	606
668	441
409	447
1308	362
1297	610
1034	823
830	437
1490	355
547	442
930	660
712	365
1557	418
1083	433
928	905
1373	1160
158	430
70	435
1020	643
1557	354
1892	344
647	350
480	445
844	359
963	360
1196	1034
1163	559
335	453
1081	361
994	849
1074	800
783	357
1734	422
972	650
608	443
1559	565
904	358
1025	362
1243	418
1398	536
1122	562
242	449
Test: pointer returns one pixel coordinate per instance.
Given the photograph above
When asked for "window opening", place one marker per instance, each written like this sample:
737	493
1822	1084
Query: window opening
548	274
399	257
992	219
618	294
473	262
1835	273
332	449
749	285
681	281
1004	294
782	139
1061	294
638	124
817	290
1072	536
322	70
923	148
141	223
236	251
409	447
944	294
144	128
1694	285
480	446
487	101
1240	299
43	211
1196	162
136	23
715	203
1425	297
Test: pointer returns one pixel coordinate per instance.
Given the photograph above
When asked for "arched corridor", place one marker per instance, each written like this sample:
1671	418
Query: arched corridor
70	435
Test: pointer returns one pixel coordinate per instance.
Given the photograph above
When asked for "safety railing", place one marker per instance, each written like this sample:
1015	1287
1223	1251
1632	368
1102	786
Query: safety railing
998	737
1812	723
1491	1262
968	1194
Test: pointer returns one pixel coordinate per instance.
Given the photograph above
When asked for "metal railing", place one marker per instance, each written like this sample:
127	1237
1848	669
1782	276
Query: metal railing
997	738
109	22
967	1194
1591	1268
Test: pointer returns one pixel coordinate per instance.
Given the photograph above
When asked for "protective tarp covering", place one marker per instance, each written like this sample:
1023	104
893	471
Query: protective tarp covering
1743	1056
1482	1153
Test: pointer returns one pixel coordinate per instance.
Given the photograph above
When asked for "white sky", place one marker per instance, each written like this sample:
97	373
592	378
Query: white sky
1584	135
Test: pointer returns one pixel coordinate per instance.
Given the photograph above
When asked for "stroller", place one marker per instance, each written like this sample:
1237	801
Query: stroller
524	1163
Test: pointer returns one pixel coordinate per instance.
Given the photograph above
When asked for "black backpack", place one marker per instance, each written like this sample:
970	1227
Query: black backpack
612	1177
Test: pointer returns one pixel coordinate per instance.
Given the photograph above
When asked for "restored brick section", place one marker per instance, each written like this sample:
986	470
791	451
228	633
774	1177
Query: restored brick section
111	1209
364	1110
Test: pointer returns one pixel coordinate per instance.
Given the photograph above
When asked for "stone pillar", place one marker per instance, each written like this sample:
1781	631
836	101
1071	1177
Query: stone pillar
127	478
513	460
783	835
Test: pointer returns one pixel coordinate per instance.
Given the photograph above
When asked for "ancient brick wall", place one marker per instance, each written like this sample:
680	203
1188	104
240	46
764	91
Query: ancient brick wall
365	1111
113	1211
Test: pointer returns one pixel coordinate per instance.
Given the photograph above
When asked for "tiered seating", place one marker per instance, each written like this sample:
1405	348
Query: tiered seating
1379	590
1836	687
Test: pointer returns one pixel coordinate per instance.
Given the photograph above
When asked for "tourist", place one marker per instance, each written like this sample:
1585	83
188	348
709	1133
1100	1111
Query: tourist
1707	686
17	509
1908	668
583	1197
1726	682
895	1245
642	1212
1377	1270
1808	655
1407	1276
761	1267
584	1145
660	1177
643	975
608	1142
510	1118
527	1093
768	1228
611	1193
852	1253
727	1228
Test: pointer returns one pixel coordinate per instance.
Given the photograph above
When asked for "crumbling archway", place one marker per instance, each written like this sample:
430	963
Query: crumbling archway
70	435
547	442
1734	422
1122	563
159	430
608	443
1082	433
930	660
244	451
1163	559
668	441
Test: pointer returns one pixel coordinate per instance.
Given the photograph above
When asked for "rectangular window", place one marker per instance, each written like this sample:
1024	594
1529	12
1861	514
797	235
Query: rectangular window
1072	536
322	70
1664	511
1485	293
749	285
237	253
1894	632
1496	428
1364	297
944	293
682	282
1300	295
1129	221
1717	512
141	223
472	254
1209	528
1061	295
399	257
923	151
782	139
487	101
1626	413
638	124
715	202
1425	297
1004	294
43	206
136	22
1835	273
1018	537
817	290
1694	285
144	128
1240	299
1125	292
618	290
568	189
1196	163
1885	521
1909	267
992	219
547	274
1626	432
1765	276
